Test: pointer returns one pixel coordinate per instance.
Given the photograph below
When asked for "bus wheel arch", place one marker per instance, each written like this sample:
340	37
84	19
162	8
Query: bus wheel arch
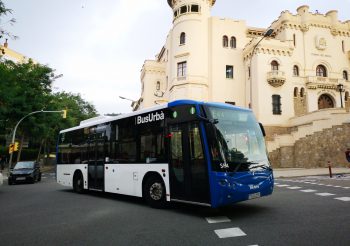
153	190
78	182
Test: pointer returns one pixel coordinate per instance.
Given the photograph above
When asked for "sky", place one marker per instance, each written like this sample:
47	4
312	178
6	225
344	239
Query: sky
99	46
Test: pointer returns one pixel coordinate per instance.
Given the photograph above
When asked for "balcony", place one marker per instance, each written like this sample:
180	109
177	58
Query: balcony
276	78
314	82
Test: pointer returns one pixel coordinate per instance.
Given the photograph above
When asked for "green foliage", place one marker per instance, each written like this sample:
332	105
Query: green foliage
27	87
3	12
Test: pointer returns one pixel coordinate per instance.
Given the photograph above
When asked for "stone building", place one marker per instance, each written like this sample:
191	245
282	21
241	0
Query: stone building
294	74
9	54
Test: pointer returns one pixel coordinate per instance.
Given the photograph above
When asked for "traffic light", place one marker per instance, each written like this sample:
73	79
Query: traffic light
11	147
15	148
64	113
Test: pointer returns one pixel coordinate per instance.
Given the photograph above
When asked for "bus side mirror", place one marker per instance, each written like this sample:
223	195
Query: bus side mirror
262	129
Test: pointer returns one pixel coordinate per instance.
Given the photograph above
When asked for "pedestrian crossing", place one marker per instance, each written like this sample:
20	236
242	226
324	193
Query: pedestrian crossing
227	232
312	181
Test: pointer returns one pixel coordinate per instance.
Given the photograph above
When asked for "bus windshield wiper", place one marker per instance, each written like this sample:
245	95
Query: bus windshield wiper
264	166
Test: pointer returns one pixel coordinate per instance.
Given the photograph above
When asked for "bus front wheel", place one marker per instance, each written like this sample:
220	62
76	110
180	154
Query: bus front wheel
154	192
78	183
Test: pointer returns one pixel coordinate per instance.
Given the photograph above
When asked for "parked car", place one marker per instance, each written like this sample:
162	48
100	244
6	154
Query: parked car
25	171
1	178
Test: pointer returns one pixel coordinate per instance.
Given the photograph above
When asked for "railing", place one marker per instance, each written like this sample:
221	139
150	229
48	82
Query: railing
276	78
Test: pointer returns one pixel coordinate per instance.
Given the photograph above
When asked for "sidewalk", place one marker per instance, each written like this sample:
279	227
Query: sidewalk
300	172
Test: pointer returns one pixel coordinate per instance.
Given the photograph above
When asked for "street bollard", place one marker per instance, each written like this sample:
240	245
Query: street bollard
330	169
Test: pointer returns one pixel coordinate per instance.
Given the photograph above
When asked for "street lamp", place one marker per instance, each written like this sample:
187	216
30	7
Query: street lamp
340	88
64	115
125	98
266	34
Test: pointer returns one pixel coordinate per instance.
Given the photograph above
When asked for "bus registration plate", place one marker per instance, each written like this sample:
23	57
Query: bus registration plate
254	195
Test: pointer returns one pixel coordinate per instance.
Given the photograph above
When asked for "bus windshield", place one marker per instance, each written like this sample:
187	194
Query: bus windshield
236	141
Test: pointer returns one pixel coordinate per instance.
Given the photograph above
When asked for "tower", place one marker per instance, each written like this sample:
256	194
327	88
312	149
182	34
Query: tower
188	46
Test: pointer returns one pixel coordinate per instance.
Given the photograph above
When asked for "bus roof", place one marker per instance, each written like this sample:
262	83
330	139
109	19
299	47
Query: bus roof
104	119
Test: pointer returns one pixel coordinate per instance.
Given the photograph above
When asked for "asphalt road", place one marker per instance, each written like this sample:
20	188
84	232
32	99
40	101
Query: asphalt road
298	213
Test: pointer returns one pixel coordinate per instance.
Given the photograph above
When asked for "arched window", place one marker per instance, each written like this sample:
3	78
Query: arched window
158	86
321	71
345	75
295	91
302	92
274	65
295	71
233	42
182	38
225	41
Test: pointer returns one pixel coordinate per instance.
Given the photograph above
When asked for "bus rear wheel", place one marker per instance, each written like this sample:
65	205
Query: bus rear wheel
154	192
78	183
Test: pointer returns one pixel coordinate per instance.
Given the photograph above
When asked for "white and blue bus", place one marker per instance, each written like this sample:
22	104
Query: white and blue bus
211	154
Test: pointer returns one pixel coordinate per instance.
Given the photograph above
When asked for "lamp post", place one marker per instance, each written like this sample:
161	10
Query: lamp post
64	114
266	34
340	88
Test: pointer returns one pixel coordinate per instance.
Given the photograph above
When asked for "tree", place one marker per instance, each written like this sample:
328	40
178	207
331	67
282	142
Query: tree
27	87
4	12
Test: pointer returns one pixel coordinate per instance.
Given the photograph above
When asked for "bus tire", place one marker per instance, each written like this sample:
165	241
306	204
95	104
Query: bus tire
78	183
154	192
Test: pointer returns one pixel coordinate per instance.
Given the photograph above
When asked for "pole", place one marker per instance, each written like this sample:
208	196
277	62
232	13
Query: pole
267	34
330	169
15	129
341	98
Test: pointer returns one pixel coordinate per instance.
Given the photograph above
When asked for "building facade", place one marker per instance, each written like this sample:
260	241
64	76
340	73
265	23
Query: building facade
298	66
9	54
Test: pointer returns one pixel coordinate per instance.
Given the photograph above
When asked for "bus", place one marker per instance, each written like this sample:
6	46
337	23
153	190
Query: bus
204	153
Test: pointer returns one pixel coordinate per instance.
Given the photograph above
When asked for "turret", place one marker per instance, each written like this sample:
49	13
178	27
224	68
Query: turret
186	7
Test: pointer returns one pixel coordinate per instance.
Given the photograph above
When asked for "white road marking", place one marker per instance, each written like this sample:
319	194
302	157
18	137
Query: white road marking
325	194
346	187
294	187
308	191
282	185
276	183
344	199
218	219
230	232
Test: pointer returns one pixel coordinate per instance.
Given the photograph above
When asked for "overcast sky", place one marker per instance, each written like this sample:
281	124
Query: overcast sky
100	45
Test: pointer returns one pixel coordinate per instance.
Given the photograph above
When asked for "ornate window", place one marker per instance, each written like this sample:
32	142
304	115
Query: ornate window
295	91
194	8
181	69
183	9
295	71
158	86
182	38
229	72
274	65
345	75
276	104
225	41
233	42
321	71
302	92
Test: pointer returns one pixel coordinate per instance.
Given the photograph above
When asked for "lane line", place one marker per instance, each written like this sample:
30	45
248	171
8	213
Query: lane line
344	199
218	219
230	232
325	194
282	185
308	191
294	187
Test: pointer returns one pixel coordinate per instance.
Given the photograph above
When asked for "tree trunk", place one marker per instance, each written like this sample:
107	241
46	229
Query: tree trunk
41	145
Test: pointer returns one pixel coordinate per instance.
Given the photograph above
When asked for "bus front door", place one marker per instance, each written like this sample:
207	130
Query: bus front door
188	170
96	165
